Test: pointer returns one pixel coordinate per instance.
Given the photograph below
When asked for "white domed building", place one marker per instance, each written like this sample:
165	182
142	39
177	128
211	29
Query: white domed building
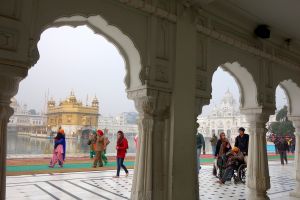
224	117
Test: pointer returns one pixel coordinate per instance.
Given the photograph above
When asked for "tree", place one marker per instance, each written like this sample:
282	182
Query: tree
282	126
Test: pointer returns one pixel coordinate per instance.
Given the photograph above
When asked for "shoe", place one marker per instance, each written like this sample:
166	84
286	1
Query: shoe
127	174
50	166
60	166
94	166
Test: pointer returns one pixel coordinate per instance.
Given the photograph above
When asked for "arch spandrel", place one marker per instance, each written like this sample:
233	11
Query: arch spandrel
246	84
292	91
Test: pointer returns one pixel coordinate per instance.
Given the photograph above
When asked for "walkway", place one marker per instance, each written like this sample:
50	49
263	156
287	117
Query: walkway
100	185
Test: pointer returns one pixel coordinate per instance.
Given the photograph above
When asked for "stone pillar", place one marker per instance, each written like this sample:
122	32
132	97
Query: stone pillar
8	88
151	162
258	179
296	123
183	113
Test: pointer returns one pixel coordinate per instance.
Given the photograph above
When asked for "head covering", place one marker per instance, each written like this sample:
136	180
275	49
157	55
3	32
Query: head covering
235	149
61	131
94	131
119	141
100	132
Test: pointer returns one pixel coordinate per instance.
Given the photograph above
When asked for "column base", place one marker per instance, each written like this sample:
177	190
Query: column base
256	195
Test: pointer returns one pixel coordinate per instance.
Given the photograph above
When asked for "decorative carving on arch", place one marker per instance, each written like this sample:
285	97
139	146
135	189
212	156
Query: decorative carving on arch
246	84
292	91
134	74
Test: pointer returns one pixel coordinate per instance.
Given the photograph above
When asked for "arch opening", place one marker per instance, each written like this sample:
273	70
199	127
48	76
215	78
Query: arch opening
124	44
58	76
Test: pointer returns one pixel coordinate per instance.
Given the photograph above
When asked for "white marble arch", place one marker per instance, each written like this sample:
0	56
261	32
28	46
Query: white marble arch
123	43
292	91
245	82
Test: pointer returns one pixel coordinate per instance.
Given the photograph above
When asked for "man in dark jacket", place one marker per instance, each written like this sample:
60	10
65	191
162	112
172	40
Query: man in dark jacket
282	147
242	142
200	144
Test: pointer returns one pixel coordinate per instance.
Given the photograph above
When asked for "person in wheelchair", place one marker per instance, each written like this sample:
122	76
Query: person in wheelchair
234	159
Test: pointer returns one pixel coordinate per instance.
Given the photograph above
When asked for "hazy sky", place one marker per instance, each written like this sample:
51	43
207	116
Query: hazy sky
79	60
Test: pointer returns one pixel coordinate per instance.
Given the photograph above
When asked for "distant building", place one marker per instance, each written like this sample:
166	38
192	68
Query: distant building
72	115
224	117
25	118
126	121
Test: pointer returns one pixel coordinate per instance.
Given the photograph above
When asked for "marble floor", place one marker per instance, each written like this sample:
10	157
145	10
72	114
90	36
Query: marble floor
100	185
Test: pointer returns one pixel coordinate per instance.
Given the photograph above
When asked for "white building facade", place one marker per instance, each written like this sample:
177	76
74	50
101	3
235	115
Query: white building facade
116	123
224	117
23	117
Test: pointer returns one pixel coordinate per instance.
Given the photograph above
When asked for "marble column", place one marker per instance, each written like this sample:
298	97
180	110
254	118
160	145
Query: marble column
296	123
258	179
151	162
8	88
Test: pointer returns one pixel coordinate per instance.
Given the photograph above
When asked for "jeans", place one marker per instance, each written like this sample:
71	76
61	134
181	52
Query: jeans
119	165
213	147
283	157
198	160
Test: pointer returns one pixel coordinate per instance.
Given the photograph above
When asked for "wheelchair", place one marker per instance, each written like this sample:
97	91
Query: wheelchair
239	170
239	175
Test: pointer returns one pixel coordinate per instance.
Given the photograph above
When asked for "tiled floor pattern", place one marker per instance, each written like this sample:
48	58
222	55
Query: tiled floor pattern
101	185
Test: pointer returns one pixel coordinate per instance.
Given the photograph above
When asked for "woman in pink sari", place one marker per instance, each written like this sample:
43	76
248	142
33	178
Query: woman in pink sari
58	150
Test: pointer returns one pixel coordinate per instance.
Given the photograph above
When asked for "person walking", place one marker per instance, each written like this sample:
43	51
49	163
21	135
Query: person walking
106	142
99	147
283	148
91	143
223	146
213	142
58	151
293	145
242	142
200	144
122	146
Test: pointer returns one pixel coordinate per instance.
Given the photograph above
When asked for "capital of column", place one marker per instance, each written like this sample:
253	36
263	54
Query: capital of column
257	119
296	123
8	88
151	103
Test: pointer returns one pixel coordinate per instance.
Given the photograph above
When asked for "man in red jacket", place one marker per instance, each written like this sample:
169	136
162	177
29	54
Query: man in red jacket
122	146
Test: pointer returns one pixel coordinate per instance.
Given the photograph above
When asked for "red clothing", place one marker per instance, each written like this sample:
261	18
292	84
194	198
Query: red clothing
122	148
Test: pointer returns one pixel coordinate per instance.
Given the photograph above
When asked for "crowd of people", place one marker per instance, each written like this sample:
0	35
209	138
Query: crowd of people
227	158
98	143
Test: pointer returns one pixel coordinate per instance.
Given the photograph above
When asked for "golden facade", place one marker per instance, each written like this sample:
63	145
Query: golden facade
71	113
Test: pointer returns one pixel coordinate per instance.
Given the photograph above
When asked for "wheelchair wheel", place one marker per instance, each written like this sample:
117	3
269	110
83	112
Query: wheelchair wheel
242	173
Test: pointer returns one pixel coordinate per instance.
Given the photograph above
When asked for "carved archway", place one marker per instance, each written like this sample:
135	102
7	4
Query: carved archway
123	43
245	82
292	91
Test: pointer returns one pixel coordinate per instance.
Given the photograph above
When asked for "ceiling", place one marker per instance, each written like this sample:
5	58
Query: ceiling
280	15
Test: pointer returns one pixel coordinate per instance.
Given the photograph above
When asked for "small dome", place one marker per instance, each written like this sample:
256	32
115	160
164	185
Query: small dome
72	97
95	102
